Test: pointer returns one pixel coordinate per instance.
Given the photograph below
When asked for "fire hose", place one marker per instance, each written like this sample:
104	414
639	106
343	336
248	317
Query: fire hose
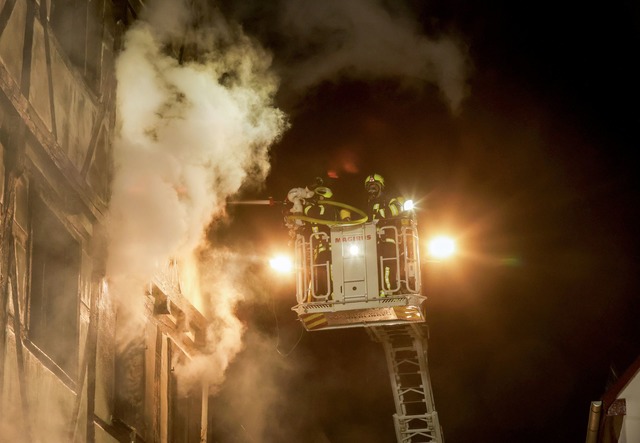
363	219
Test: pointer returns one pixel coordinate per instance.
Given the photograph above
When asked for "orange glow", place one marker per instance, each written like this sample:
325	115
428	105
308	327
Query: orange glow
281	264
442	247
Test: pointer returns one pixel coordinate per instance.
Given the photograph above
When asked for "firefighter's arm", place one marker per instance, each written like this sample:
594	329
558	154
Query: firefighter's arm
395	206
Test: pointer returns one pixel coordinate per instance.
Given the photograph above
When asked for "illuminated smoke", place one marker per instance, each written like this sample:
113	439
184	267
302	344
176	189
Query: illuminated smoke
224	280
191	133
195	122
256	393
360	40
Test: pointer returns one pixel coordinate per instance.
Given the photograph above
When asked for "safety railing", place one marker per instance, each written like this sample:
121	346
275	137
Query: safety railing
320	266
313	276
389	259
398	262
301	257
411	264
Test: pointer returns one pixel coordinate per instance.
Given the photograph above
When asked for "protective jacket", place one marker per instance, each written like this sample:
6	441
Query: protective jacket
382	207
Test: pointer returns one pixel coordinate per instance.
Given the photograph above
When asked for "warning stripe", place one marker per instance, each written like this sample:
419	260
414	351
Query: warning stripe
314	321
407	313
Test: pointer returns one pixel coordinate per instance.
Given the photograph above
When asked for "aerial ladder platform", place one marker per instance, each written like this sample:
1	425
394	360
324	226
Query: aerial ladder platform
347	276
405	347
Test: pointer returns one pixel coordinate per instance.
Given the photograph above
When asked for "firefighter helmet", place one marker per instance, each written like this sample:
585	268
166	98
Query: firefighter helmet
375	178
374	184
323	192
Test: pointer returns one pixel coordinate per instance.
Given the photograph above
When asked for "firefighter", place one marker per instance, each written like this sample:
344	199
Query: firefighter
319	235
379	205
311	216
386	211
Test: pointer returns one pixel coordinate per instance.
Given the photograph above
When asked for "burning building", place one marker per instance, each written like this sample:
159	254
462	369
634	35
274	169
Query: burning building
72	366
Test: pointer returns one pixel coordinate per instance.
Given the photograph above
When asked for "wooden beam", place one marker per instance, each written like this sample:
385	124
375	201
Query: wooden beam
27	50
5	14
17	332
13	142
49	146
47	52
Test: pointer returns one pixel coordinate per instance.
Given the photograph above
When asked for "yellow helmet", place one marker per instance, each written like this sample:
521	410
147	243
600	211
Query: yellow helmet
323	191
374	184
374	178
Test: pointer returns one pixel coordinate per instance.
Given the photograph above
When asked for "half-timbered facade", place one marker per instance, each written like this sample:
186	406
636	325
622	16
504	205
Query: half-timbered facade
62	377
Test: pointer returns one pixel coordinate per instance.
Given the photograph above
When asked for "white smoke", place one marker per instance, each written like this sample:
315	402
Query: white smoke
224	280
364	40
195	123
260	387
190	134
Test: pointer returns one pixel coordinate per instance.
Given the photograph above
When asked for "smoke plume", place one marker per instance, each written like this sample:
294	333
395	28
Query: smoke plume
224	280
321	41
361	39
195	122
253	398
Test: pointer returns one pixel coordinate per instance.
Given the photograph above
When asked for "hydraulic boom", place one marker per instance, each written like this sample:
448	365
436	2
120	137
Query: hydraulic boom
367	274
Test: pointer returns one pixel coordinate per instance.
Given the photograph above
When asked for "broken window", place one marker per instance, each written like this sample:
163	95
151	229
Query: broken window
55	270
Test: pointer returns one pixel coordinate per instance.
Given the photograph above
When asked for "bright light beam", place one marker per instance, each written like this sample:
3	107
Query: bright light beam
408	205
281	264
442	247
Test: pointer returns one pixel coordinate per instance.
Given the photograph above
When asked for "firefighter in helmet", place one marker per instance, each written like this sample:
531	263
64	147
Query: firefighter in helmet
386	211
319	235
312	214
379	205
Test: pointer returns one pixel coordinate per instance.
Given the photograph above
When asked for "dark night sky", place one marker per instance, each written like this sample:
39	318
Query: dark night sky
536	175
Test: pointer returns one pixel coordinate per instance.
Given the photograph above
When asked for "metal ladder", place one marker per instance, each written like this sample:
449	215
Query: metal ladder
405	347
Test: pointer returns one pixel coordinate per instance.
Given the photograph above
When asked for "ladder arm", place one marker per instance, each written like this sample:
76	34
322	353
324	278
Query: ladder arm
405	347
